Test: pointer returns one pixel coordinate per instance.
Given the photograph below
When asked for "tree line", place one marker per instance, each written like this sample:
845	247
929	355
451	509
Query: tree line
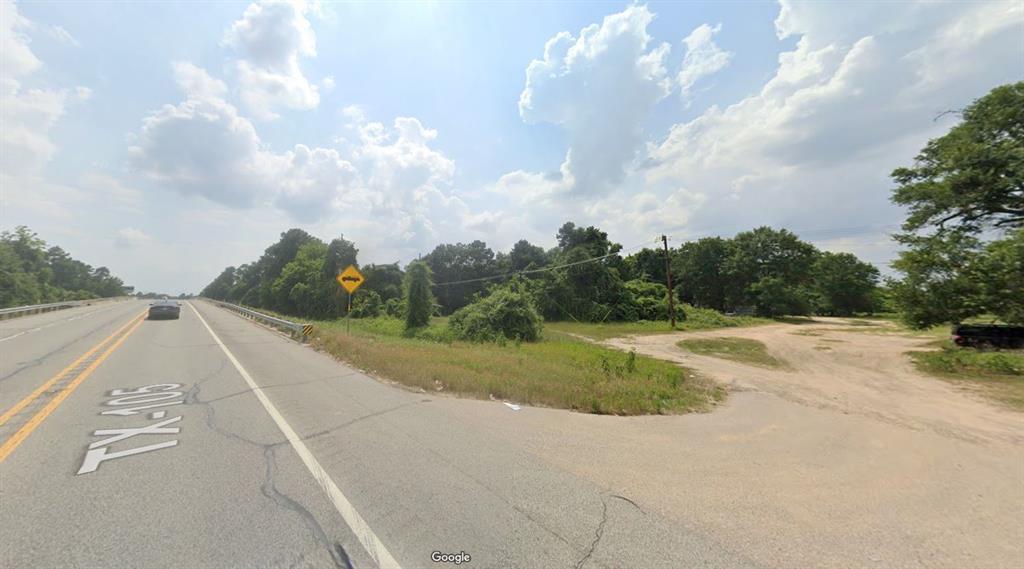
584	277
33	273
964	257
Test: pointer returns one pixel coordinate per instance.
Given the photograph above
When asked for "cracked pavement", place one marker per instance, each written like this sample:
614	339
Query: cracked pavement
230	490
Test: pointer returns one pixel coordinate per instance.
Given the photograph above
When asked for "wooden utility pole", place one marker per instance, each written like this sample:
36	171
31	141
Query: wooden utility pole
668	276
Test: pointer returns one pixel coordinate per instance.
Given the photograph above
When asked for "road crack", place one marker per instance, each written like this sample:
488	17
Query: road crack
597	536
269	488
337	552
635	505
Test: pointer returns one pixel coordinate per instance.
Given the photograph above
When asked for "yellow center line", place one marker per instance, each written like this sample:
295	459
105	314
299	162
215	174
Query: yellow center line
17	438
42	388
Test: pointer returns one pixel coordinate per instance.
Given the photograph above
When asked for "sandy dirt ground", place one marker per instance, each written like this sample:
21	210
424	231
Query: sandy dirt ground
850	370
848	459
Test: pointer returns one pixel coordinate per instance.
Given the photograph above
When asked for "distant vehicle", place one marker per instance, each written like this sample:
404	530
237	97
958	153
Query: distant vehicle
165	308
988	336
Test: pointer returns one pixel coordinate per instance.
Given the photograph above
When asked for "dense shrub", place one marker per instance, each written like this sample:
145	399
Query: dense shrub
650	301
507	313
366	304
395	307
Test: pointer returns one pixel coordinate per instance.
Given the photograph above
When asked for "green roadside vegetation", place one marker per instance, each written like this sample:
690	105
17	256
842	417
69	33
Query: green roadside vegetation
32	272
520	320
696	319
556	371
742	350
998	375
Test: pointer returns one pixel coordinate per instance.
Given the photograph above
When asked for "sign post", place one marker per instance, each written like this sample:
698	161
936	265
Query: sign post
350	279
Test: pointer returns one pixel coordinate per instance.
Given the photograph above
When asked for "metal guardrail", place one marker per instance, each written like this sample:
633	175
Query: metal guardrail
16	311
298	331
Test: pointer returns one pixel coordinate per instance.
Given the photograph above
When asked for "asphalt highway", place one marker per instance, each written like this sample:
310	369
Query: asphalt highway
210	441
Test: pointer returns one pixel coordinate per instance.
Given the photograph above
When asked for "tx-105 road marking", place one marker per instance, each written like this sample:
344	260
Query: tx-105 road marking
73	376
150	396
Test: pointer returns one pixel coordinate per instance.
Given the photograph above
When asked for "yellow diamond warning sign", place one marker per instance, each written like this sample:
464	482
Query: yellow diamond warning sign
350	279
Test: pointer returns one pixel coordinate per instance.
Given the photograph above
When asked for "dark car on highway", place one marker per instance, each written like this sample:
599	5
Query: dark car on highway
164	308
988	336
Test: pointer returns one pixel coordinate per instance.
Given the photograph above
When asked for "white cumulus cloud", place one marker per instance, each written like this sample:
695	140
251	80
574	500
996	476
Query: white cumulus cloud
27	115
16	57
389	177
856	97
196	83
270	39
204	147
599	87
703	58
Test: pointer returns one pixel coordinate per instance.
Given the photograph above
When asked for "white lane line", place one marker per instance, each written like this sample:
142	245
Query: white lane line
374	547
38	328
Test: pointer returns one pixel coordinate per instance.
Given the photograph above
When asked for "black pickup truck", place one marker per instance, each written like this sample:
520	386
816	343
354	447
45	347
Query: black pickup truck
988	336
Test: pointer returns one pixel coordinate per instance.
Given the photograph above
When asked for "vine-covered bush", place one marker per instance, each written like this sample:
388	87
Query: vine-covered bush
506	313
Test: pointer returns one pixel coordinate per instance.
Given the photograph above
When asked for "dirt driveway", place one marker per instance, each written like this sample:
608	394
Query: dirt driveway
850	369
849	460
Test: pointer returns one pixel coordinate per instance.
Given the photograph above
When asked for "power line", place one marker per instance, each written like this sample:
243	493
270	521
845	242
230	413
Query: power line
634	247
543	269
803	232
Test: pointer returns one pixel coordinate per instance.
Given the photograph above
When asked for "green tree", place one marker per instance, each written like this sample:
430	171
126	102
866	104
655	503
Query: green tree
699	271
419	300
591	288
245	289
17	288
844	284
273	261
935	288
972	177
769	269
220	287
773	296
300	287
965	186
999	273
525	256
385	280
647	265
33	273
450	263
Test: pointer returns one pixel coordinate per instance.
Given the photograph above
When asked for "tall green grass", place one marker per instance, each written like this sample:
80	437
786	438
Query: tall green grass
558	371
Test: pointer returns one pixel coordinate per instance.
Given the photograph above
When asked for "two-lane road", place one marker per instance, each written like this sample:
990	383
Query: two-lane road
210	441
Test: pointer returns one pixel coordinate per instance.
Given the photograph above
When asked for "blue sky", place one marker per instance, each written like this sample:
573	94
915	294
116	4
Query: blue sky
167	141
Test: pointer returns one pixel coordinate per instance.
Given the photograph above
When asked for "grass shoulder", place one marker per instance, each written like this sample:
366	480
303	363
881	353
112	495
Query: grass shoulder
742	350
998	375
696	319
557	371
